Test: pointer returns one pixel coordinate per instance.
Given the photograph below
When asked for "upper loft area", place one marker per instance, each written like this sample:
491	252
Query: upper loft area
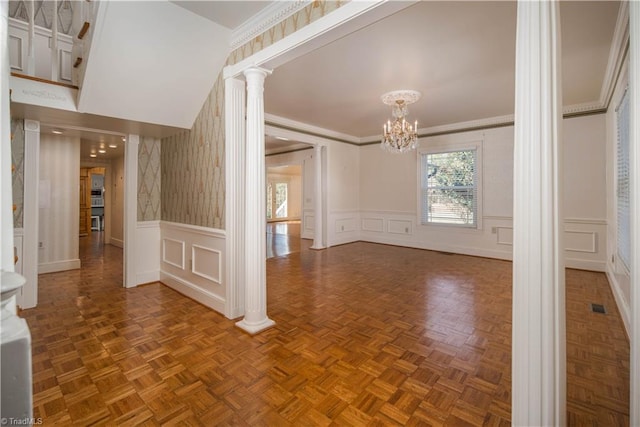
141	62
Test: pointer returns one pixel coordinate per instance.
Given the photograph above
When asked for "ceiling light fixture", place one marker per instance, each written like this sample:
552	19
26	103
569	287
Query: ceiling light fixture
124	139
113	146
282	138
93	155
56	131
101	151
399	136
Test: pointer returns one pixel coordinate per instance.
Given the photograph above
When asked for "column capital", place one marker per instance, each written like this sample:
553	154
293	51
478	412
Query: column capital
257	71
32	125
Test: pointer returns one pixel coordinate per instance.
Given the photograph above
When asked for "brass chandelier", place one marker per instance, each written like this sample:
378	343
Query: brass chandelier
399	136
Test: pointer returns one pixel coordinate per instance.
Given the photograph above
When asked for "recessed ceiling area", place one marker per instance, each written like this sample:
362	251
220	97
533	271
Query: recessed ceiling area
91	142
460	55
229	14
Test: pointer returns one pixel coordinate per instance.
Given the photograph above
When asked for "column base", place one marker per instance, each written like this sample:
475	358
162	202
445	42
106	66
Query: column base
316	248
254	328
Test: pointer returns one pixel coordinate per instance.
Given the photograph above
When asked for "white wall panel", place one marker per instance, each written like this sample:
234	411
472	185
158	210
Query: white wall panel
207	263
173	252
148	250
16	58
193	262
373	224
400	226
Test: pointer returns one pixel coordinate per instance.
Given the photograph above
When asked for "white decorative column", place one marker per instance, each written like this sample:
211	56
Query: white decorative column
6	199
130	209
317	198
255	307
634	155
234	129
538	347
30	209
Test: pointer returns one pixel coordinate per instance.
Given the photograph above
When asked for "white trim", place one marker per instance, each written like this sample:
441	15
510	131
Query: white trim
586	221
206	231
272	122
144	277
581	264
64	265
318	33
267	18
181	266
217	280
149	224
41	31
117	242
31	212
130	209
634	160
592	250
194	292
623	306
616	53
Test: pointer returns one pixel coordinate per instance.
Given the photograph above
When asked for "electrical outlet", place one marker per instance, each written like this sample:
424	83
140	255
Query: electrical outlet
40	245
494	230
342	228
406	230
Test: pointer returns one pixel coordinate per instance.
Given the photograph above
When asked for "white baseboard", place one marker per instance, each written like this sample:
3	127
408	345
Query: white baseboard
192	291
580	264
433	246
623	306
52	267
117	242
147	277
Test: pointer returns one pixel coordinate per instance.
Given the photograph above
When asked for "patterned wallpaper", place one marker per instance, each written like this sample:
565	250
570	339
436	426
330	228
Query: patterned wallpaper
149	179
193	185
17	160
193	167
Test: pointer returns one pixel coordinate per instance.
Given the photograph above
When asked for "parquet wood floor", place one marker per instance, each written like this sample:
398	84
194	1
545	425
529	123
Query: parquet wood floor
366	334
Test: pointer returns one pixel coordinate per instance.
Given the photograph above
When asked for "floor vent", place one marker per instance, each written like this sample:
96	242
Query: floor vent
598	308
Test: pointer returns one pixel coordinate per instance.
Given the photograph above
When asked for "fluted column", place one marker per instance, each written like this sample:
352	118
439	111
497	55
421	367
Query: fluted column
538	355
235	162
317	198
255	308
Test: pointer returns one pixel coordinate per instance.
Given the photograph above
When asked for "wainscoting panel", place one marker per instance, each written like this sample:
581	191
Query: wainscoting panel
581	241
400	226
16	53
173	252
343	227
148	252
504	235
206	263
373	224
193	262
308	219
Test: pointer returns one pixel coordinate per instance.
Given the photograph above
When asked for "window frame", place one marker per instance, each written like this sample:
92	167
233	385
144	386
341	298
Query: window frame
450	147
620	264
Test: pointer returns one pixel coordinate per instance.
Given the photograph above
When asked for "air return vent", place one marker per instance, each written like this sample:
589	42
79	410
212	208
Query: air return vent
598	308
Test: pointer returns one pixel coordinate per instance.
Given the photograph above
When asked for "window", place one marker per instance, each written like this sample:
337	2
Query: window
449	188
277	202
622	190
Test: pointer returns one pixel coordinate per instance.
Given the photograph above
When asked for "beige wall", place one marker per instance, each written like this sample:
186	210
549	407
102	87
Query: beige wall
116	195
59	200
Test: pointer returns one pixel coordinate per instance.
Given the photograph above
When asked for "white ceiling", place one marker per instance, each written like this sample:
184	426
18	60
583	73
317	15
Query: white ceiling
460	55
229	14
92	142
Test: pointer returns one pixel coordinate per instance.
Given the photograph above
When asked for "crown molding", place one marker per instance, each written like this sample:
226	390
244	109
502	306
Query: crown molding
617	55
271	15
292	125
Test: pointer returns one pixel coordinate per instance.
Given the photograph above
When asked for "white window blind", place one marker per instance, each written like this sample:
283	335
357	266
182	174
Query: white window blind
449	191
622	191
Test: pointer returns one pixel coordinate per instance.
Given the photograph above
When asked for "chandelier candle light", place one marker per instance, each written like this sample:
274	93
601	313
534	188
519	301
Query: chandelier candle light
399	136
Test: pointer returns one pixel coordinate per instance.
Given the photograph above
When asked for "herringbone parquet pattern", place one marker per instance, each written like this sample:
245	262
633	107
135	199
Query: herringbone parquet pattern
366	334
